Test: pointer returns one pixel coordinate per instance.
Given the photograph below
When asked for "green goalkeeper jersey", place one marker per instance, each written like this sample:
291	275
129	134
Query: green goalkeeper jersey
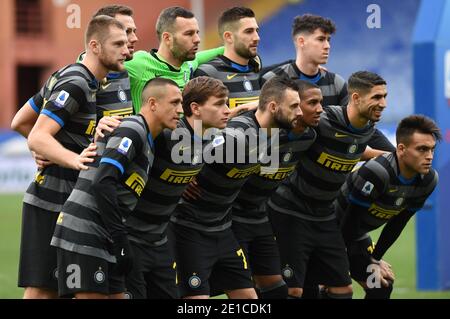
148	65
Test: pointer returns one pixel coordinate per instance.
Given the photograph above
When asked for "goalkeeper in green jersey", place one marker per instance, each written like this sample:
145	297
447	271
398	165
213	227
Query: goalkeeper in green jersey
176	57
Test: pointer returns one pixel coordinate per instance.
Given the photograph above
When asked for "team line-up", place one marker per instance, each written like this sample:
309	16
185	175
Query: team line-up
126	205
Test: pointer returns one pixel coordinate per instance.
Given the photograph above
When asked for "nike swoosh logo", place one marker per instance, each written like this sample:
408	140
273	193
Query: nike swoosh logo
122	253
229	77
393	190
105	86
340	135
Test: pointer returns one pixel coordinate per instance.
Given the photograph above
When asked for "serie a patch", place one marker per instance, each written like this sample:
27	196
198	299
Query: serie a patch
62	98
367	188
219	140
124	145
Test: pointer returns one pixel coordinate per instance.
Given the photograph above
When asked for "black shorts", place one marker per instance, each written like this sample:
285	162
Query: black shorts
259	244
82	273
154	273
204	256
314	246
359	253
37	263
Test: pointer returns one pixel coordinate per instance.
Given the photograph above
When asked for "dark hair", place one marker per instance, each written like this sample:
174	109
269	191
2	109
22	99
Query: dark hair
112	10
309	23
200	89
363	81
416	123
99	26
274	90
167	17
155	82
232	15
303	86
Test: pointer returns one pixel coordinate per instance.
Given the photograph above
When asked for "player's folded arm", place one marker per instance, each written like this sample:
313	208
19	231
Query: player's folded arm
367	186
36	102
104	189
200	72
207	55
391	231
122	147
26	117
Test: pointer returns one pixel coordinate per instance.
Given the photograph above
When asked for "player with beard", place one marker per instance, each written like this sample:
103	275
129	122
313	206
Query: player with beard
237	67
63	129
311	35
178	159
176	58
388	191
93	250
113	98
301	211
207	252
250	219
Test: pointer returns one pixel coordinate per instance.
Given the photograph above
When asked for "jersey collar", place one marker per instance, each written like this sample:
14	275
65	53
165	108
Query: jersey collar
238	67
154	53
149	134
309	78
191	130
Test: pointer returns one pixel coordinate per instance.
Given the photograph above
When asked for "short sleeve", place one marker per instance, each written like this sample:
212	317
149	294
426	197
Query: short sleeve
65	100
367	186
122	147
37	101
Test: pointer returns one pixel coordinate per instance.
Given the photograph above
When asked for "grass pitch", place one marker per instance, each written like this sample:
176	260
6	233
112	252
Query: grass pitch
401	256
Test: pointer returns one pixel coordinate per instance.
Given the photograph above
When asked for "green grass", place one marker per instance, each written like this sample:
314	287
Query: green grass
401	256
10	219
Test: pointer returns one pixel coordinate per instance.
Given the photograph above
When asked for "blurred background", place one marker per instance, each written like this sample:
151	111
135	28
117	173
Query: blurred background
40	36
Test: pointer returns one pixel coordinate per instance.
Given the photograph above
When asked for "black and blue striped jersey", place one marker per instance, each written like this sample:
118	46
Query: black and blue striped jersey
309	192
332	85
167	181
114	96
334	91
382	193
221	181
69	98
250	204
242	81
128	154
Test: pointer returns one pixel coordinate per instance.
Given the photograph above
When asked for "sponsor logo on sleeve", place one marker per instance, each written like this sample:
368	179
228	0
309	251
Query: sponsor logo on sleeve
62	98
125	145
